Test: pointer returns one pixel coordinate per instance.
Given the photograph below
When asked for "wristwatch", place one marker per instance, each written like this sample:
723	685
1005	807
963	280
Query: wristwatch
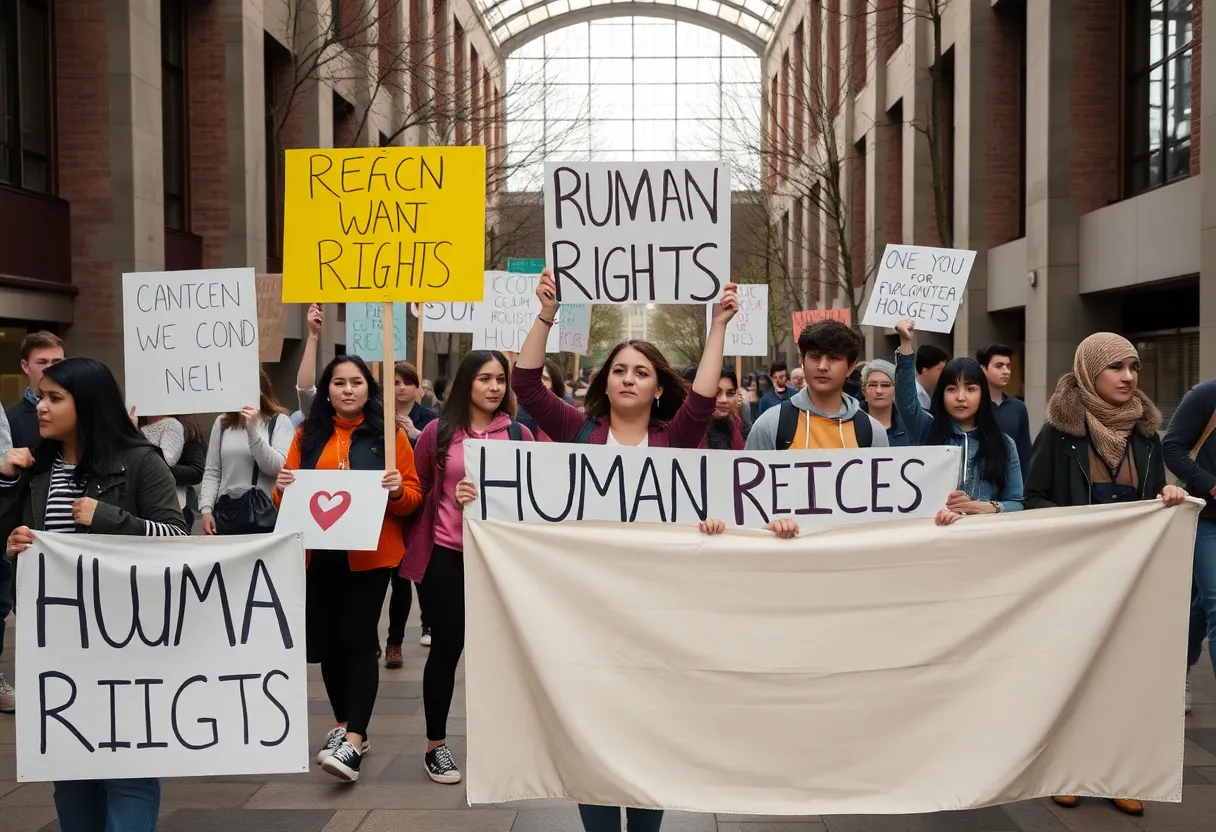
997	506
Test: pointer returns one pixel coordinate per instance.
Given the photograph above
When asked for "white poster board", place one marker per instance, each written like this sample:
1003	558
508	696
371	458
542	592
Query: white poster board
190	341
446	317
638	232
543	482
503	319
922	283
747	332
209	679
574	328
335	509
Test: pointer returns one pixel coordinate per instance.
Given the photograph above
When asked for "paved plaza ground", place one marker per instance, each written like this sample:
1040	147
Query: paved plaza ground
394	793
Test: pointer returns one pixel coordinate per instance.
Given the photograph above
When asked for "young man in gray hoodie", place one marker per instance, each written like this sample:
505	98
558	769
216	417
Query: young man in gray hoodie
821	414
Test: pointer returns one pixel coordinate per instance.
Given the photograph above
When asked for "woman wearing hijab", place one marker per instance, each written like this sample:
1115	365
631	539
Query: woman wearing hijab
1100	445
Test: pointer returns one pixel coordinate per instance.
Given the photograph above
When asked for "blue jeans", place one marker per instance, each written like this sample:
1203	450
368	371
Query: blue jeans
1205	578
1198	629
107	805
608	819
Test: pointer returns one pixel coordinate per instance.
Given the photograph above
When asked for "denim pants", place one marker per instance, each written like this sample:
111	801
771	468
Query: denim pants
1197	631
107	805
1205	579
608	819
7	572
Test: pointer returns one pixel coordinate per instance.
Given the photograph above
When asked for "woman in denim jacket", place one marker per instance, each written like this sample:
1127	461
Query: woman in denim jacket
961	414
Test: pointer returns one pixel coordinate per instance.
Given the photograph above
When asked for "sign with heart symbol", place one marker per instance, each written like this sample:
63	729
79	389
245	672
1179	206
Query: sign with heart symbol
341	510
327	508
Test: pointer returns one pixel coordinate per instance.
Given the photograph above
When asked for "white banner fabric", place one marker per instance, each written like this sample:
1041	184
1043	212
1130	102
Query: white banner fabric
161	657
887	668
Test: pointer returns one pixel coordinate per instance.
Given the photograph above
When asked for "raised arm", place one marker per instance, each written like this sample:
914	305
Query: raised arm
915	418
532	353
709	371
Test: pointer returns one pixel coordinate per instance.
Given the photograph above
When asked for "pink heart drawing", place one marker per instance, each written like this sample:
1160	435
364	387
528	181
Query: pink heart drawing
327	508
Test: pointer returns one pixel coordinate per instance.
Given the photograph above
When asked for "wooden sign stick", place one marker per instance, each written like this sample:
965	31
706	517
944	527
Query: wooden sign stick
390	398
418	339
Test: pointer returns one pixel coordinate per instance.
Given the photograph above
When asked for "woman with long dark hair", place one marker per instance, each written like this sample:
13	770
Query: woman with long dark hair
479	406
554	378
93	473
345	589
635	399
247	450
960	413
728	430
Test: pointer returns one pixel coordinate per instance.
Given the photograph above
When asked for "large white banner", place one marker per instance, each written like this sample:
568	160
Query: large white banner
545	482
502	321
191	341
155	657
638	232
883	669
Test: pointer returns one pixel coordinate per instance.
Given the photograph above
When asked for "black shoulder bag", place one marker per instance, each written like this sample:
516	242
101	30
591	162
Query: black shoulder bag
252	512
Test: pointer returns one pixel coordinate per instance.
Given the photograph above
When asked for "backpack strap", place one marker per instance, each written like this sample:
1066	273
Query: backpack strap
863	429
583	437
514	433
1204	438
787	425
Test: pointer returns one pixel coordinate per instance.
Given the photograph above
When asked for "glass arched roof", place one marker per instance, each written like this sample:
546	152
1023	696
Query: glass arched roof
515	22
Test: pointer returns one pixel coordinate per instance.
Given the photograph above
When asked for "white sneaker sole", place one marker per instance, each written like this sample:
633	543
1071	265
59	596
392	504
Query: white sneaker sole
445	779
340	770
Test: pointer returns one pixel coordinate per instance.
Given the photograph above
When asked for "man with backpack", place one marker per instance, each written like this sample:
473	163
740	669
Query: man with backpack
820	415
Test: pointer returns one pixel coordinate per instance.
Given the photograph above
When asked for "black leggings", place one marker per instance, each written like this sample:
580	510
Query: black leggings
342	620
399	608
444	590
608	819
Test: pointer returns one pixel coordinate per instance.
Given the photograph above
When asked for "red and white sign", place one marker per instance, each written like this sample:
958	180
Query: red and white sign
335	509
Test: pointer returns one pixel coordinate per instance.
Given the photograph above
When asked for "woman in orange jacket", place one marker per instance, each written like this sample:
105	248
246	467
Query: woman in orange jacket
345	590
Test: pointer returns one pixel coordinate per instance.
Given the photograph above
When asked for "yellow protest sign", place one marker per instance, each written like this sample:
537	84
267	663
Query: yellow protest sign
370	224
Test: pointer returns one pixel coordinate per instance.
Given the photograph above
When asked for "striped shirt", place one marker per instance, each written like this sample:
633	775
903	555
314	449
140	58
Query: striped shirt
64	491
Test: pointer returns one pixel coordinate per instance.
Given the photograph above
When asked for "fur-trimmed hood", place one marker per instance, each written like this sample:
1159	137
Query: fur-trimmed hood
1066	410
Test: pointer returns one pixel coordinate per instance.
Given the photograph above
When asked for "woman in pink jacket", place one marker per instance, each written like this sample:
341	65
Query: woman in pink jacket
479	406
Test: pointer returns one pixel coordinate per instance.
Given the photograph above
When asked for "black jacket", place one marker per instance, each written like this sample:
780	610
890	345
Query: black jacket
1186	427
23	420
1059	463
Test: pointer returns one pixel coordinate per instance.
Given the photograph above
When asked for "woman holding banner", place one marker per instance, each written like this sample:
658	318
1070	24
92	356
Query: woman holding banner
1099	444
636	399
345	590
94	473
479	406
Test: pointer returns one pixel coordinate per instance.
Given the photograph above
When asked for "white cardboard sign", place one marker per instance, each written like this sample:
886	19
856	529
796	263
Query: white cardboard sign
449	316
922	283
503	319
747	332
191	341
634	232
207	677
574	328
543	482
335	509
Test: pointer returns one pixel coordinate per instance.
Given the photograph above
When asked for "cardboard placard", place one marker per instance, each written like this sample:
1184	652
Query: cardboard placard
272	317
335	509
922	283
747	332
502	321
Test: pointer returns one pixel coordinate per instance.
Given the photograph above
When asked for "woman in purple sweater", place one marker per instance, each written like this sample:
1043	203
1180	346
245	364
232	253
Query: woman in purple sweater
635	399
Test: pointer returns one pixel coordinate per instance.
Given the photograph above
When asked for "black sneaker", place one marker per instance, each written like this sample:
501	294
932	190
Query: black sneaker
344	762
333	739
441	767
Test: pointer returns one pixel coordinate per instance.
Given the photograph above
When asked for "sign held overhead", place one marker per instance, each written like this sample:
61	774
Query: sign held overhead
634	232
922	283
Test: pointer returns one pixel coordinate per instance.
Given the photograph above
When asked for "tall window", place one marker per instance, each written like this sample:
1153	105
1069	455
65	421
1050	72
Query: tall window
25	95
173	111
276	62
1158	93
633	89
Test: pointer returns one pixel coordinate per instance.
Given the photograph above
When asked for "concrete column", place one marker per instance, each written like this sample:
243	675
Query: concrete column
1057	318
974	328
245	244
1207	214
879	132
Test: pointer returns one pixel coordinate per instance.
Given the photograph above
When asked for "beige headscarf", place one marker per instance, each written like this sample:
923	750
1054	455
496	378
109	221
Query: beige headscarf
1108	425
